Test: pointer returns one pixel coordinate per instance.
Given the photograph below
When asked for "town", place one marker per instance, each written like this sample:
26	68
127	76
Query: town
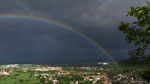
44	74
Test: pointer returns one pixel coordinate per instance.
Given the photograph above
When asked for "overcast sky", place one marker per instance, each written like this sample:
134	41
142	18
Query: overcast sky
27	41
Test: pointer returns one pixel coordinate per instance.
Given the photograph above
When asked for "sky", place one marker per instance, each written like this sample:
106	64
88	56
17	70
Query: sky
36	42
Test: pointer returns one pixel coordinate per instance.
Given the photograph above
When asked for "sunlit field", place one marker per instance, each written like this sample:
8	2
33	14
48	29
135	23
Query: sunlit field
19	78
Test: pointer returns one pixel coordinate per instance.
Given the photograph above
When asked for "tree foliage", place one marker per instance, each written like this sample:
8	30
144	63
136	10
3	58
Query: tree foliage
138	32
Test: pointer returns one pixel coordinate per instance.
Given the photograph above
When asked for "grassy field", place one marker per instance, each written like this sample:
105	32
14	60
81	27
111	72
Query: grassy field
19	78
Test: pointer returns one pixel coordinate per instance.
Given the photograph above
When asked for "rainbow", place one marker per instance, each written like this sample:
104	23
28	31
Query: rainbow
67	27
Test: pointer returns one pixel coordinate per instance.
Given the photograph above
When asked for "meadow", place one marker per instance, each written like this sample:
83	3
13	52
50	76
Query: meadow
19	78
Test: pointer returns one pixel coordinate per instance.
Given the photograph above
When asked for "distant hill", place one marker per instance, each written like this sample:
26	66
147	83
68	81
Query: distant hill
124	62
140	66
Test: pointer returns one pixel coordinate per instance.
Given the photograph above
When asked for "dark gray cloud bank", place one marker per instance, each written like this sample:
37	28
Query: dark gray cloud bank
26	41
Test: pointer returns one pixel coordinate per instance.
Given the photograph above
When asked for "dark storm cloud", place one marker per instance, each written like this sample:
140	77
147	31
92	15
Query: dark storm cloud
97	19
32	42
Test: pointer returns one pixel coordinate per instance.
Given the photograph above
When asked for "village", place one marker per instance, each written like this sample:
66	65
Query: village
67	75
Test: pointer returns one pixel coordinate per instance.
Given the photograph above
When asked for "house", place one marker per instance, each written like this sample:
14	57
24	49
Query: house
107	82
55	81
5	73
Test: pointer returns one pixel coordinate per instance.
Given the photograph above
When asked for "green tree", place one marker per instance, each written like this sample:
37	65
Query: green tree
138	32
99	82
42	80
20	80
146	75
